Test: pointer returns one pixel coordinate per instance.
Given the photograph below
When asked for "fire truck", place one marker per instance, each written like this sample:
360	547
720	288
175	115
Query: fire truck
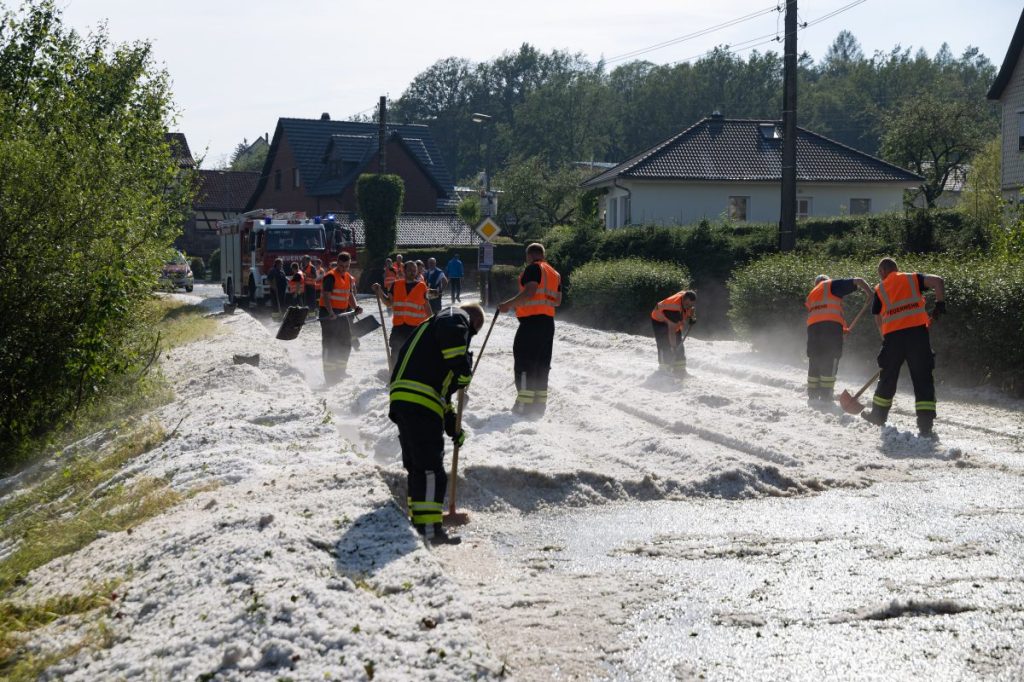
251	242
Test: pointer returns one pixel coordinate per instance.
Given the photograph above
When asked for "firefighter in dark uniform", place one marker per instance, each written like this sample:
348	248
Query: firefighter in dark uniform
407	299
668	319
338	295
433	364
540	292
826	327
899	309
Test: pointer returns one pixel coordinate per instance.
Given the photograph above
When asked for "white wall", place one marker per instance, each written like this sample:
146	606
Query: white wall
678	203
1013	106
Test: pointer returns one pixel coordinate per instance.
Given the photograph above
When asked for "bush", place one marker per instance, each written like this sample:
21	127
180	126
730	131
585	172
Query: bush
91	197
214	265
198	267
380	201
620	294
979	340
504	281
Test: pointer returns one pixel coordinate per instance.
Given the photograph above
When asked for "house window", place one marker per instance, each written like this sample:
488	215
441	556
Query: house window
277	179
612	215
626	209
1020	131
803	207
860	206
738	208
295	177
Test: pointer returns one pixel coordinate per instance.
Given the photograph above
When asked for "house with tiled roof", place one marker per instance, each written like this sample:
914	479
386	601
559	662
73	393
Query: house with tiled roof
313	165
1008	90
179	149
221	194
732	168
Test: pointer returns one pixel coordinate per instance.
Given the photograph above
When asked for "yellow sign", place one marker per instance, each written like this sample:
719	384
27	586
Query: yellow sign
488	229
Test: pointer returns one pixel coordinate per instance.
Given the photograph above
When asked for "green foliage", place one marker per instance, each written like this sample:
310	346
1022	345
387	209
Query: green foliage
537	196
505	254
979	339
249	157
198	267
504	281
90	199
620	294
214	265
380	202
469	211
935	136
981	201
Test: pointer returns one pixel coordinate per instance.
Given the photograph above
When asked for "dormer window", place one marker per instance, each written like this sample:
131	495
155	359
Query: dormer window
769	131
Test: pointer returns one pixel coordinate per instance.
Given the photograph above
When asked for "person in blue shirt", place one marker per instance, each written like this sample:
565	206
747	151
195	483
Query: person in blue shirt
455	273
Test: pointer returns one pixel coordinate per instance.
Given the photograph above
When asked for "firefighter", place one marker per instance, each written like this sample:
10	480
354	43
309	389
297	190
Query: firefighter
309	281
338	295
668	319
278	285
434	364
540	292
407	299
389	274
826	327
899	310
320	272
436	282
295	286
399	266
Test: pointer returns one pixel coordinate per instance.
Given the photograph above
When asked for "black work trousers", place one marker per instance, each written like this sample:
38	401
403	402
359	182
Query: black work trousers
669	359
421	435
531	354
912	346
824	348
336	345
310	297
455	287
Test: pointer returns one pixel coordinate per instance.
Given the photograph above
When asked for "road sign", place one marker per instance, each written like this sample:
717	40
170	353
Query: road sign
485	256
488	229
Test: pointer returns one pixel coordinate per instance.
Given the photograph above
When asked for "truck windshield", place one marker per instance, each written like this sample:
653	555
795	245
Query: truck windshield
295	239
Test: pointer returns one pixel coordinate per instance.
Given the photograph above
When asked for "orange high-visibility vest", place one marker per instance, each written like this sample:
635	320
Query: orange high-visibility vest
389	277
673	302
824	306
409	304
340	296
309	275
295	285
543	300
319	279
902	302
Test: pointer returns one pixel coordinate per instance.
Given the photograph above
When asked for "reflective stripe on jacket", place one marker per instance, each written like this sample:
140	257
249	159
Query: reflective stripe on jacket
824	306
902	302
340	296
409	305
295	283
309	275
543	300
389	277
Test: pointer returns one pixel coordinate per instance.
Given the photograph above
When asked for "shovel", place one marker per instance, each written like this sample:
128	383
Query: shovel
850	403
454	518
295	317
384	330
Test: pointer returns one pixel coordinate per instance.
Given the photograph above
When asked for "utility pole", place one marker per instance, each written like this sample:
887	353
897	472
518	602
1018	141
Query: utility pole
382	134
787	215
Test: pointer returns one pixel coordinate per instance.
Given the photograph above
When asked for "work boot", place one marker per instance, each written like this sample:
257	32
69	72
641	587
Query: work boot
875	416
924	424
440	536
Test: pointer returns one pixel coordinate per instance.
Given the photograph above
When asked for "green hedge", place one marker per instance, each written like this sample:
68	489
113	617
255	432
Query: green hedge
504	254
620	294
504	281
980	339
213	265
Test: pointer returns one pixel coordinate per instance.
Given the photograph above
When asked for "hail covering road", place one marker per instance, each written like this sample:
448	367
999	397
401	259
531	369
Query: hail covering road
643	529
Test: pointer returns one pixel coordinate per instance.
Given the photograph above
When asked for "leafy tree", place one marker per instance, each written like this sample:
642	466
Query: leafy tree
249	157
469	211
982	197
535	196
380	202
933	136
91	198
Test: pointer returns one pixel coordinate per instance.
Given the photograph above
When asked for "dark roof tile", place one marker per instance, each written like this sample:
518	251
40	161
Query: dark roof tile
738	150
1009	61
225	190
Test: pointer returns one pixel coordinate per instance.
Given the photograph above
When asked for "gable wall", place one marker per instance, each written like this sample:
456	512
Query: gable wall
1012	106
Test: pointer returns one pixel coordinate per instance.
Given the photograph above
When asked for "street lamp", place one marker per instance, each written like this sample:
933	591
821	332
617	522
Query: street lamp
484	119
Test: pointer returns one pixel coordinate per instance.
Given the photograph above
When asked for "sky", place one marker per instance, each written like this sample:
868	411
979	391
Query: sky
239	65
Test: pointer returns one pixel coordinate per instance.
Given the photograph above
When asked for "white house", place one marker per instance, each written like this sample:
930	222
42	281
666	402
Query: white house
1008	89
733	168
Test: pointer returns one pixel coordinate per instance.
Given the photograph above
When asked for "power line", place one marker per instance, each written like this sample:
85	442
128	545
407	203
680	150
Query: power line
692	36
773	37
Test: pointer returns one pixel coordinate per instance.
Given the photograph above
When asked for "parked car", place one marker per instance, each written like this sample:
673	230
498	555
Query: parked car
176	272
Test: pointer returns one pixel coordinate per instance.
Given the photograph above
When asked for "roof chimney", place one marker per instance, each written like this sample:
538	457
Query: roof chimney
325	116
